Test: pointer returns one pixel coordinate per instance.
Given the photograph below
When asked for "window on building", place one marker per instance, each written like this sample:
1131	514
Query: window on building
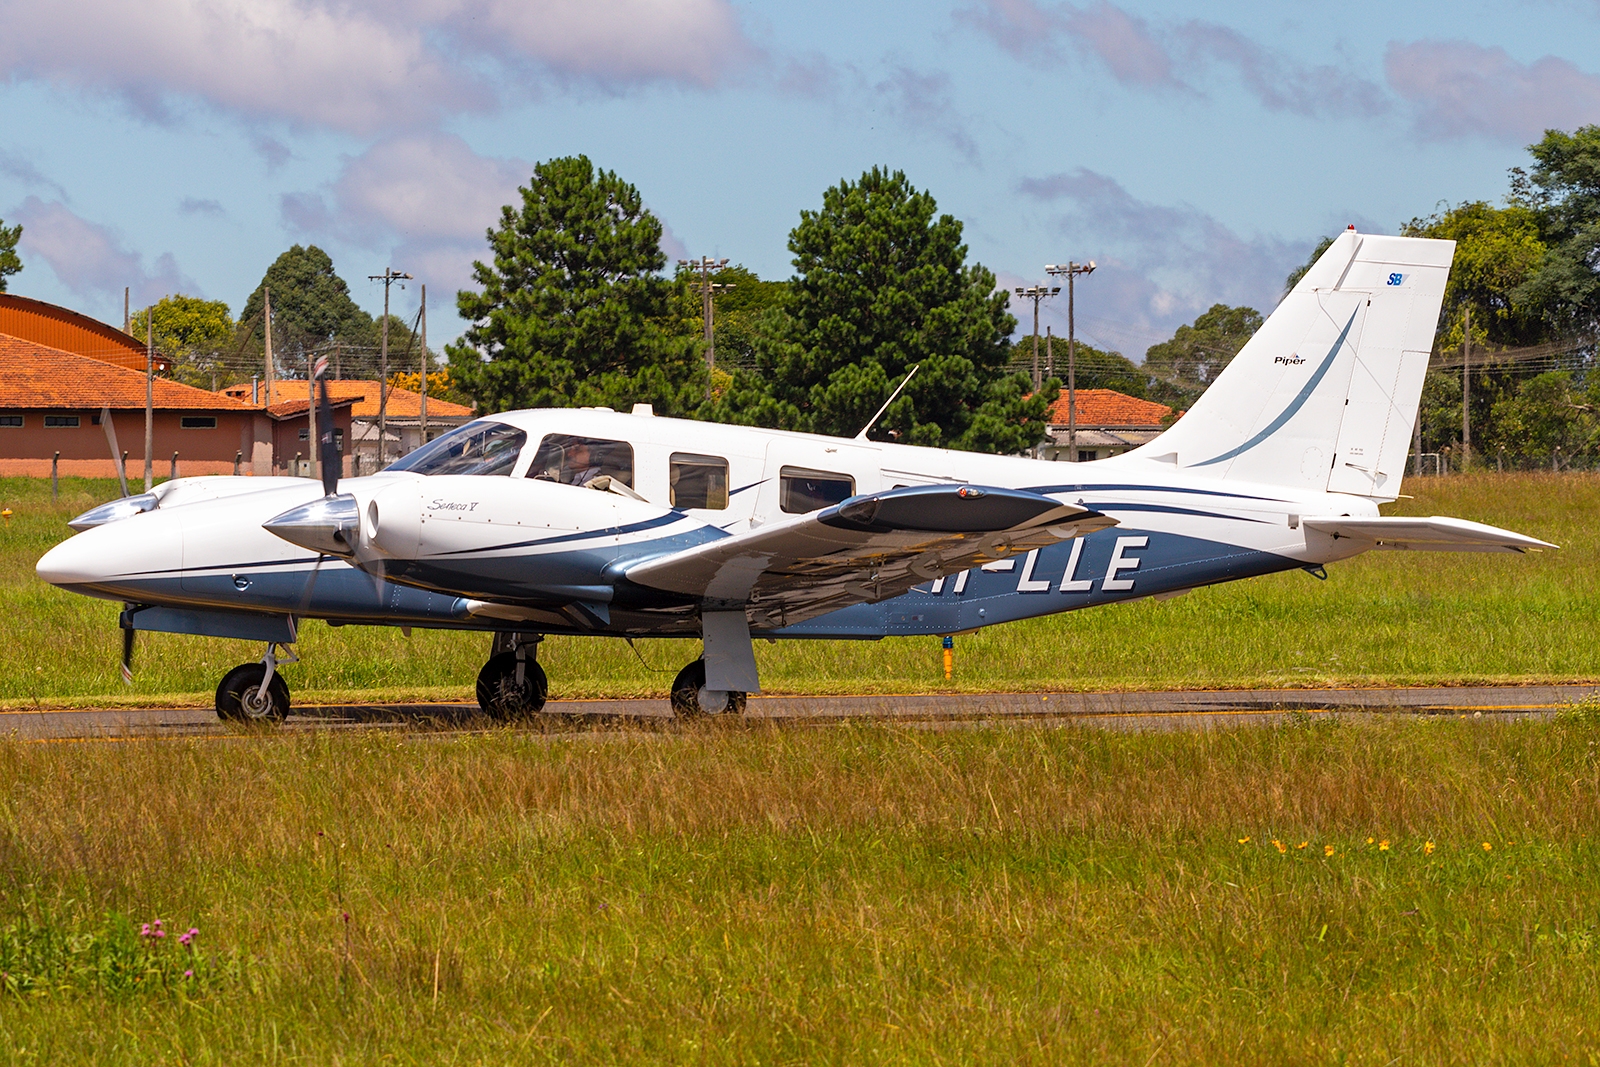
698	481
565	457
65	421
12	421
801	490
1087	455
198	422
338	439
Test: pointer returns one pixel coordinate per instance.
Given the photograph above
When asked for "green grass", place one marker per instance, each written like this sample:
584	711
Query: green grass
1383	618
857	894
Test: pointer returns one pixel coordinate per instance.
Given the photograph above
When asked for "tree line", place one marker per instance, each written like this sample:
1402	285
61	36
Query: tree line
574	305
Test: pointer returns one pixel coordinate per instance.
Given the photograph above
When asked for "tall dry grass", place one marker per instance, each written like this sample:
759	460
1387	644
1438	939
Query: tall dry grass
837	895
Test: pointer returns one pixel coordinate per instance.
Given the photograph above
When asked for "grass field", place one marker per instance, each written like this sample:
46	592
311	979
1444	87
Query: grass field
1378	891
1387	892
1381	618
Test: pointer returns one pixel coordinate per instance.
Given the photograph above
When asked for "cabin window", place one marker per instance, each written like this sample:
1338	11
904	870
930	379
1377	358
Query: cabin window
574	460
698	481
198	422
476	448
61	420
801	490
12	421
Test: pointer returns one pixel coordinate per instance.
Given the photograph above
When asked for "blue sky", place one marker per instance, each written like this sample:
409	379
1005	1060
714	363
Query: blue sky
1197	153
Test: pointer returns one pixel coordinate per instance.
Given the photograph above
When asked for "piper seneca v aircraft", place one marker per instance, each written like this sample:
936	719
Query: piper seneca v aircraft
626	525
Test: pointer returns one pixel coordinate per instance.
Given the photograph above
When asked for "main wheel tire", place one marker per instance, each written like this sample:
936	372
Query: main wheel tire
686	690
499	695
239	696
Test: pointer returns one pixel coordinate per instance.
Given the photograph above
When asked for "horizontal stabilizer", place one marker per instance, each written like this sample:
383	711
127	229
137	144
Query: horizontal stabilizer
867	549
1434	534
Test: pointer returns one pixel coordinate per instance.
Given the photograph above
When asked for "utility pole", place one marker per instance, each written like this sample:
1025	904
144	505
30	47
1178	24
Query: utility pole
127	319
388	277
1071	270
266	317
1037	293
422	419
707	267
1466	389
149	395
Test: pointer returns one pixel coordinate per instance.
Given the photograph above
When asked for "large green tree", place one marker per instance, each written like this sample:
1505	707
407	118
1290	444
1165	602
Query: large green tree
572	309
10	262
197	334
1181	368
883	285
1497	252
1093	368
1564	189
311	312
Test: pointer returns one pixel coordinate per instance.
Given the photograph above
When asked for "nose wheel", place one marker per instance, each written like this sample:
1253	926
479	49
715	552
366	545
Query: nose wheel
512	685
256	692
691	699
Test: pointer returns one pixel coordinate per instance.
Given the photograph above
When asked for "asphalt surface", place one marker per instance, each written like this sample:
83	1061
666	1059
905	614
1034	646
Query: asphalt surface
1132	711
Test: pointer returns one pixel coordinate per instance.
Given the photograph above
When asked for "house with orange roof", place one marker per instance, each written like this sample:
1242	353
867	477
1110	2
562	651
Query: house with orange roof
1105	423
402	417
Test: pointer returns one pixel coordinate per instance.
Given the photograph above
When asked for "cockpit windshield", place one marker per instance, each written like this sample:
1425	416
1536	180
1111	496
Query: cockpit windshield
476	448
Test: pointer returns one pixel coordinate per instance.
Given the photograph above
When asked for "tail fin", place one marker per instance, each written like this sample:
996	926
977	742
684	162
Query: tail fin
1325	395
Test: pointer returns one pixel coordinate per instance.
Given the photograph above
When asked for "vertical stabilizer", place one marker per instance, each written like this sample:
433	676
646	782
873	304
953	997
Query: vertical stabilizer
1325	395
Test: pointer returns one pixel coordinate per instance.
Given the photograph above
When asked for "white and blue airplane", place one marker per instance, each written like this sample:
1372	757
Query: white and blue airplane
594	522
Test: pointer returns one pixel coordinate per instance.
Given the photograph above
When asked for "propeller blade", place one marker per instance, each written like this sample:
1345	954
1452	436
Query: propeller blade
328	457
127	655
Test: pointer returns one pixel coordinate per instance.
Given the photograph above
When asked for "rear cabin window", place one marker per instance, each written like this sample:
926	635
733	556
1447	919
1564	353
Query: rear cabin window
698	481
801	490
574	460
476	448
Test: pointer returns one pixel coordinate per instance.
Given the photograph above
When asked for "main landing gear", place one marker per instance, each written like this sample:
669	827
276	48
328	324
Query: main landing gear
512	685
256	692
691	699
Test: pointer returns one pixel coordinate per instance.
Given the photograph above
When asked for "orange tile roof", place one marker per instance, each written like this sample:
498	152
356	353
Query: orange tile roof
403	403
38	376
1107	407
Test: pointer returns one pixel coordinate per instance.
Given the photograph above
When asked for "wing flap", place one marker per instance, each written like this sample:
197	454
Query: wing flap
867	549
1436	533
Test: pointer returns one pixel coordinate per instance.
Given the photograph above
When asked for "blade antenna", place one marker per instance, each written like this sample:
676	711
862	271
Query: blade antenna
862	436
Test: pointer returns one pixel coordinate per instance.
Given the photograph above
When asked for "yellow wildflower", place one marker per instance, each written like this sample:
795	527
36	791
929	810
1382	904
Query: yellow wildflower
1427	848
1303	844
1279	845
1244	840
1487	846
1369	840
1383	846
1327	850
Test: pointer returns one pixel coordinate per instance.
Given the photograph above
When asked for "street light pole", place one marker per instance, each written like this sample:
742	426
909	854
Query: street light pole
1037	293
388	277
707	267
1071	270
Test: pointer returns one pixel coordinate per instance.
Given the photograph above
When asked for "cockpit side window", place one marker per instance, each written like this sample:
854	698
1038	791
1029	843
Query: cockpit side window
574	460
476	448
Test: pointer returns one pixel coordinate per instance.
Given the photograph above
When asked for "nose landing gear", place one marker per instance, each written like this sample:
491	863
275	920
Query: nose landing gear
512	685
256	692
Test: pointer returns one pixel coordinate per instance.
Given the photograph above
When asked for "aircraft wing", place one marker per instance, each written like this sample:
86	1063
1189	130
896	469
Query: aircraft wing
867	549
1433	534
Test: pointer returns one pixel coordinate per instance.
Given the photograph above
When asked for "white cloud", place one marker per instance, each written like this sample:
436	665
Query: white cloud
91	259
1137	54
1460	89
362	66
1158	266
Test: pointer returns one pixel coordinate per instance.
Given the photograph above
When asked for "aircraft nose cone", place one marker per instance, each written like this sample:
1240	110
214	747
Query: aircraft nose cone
80	560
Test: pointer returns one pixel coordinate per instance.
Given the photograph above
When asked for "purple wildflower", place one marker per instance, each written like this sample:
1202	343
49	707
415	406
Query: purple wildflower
157	924
188	974
144	931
